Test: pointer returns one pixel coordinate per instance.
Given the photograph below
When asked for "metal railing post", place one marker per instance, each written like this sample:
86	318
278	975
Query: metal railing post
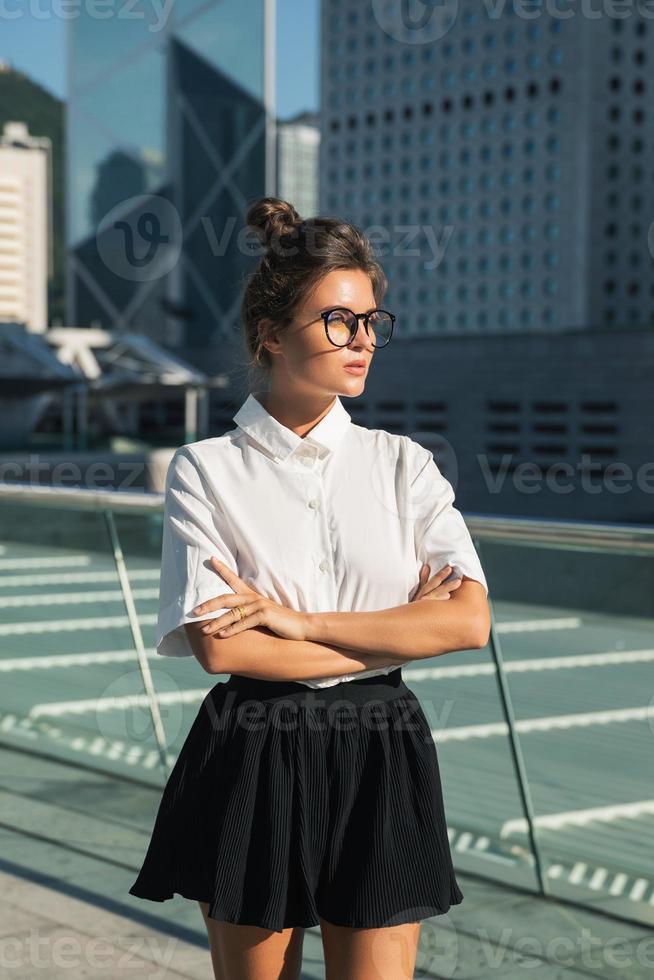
137	636
514	744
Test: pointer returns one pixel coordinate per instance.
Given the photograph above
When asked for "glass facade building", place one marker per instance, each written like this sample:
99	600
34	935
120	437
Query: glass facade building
505	154
169	140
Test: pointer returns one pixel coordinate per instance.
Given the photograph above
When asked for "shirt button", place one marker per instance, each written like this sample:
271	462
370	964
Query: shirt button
324	565
314	504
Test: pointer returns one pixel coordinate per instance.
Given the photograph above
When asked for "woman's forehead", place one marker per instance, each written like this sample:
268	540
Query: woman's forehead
354	293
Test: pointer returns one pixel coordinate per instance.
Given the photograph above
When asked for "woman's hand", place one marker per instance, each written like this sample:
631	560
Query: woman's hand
260	611
435	587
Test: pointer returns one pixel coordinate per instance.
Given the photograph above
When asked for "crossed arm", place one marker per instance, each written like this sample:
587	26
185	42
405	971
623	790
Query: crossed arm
350	642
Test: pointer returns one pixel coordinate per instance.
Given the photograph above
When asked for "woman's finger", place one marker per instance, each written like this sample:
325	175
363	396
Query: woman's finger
227	620
422	578
426	586
443	590
237	583
220	601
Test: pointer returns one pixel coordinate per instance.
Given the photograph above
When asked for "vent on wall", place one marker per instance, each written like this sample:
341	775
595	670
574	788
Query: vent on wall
504	428
392	416
430	416
598	434
550	432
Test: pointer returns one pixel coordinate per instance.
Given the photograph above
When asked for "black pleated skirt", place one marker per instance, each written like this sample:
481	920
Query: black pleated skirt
287	803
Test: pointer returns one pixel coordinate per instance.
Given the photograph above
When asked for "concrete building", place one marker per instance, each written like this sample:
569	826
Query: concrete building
25	226
298	147
502	164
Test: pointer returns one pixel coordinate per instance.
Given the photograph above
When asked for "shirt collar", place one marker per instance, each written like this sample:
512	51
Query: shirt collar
261	426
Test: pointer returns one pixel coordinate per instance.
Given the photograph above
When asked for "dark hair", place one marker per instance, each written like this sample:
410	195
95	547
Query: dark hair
298	255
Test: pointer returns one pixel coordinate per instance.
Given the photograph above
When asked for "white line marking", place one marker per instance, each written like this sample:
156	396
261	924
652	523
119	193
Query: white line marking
96	745
64	625
598	878
72	660
531	625
73	598
468	670
577	873
72	578
64	561
579	818
608	658
618	883
546	724
638	889
79	707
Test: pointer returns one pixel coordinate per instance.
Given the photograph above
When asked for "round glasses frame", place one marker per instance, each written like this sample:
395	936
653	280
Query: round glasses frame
357	316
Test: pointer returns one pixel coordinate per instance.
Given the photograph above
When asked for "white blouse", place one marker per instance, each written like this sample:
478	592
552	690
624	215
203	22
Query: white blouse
341	520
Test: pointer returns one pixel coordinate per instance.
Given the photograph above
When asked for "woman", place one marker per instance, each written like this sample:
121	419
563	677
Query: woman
296	556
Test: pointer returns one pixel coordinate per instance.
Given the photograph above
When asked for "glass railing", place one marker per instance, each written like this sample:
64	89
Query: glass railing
544	738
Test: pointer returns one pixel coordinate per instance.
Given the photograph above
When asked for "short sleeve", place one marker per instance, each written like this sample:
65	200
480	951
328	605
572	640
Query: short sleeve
441	535
194	529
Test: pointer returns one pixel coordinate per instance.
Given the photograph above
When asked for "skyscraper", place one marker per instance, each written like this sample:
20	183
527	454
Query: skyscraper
509	144
298	143
25	226
500	157
169	140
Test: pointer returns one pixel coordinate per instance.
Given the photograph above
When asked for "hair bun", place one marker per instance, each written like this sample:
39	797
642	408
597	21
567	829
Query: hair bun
271	217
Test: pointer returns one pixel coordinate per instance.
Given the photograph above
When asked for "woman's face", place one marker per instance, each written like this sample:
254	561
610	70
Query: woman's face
303	356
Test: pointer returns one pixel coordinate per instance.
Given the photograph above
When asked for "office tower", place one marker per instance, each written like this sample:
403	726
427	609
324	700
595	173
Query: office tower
500	154
298	142
169	140
25	226
512	149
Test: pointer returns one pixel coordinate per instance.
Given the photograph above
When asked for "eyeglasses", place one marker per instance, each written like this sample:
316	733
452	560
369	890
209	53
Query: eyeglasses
341	325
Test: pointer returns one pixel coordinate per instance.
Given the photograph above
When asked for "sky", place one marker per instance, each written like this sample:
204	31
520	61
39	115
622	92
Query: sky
37	46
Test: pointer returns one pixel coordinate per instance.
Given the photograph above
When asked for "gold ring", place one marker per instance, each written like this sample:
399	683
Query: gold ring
242	612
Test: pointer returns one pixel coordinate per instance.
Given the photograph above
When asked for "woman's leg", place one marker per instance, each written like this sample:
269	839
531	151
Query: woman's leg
370	954
251	953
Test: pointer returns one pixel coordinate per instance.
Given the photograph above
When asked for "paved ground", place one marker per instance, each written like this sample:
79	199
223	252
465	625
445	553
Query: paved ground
72	837
64	914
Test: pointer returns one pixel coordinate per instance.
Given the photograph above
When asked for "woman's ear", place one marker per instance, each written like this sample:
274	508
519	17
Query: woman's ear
267	334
